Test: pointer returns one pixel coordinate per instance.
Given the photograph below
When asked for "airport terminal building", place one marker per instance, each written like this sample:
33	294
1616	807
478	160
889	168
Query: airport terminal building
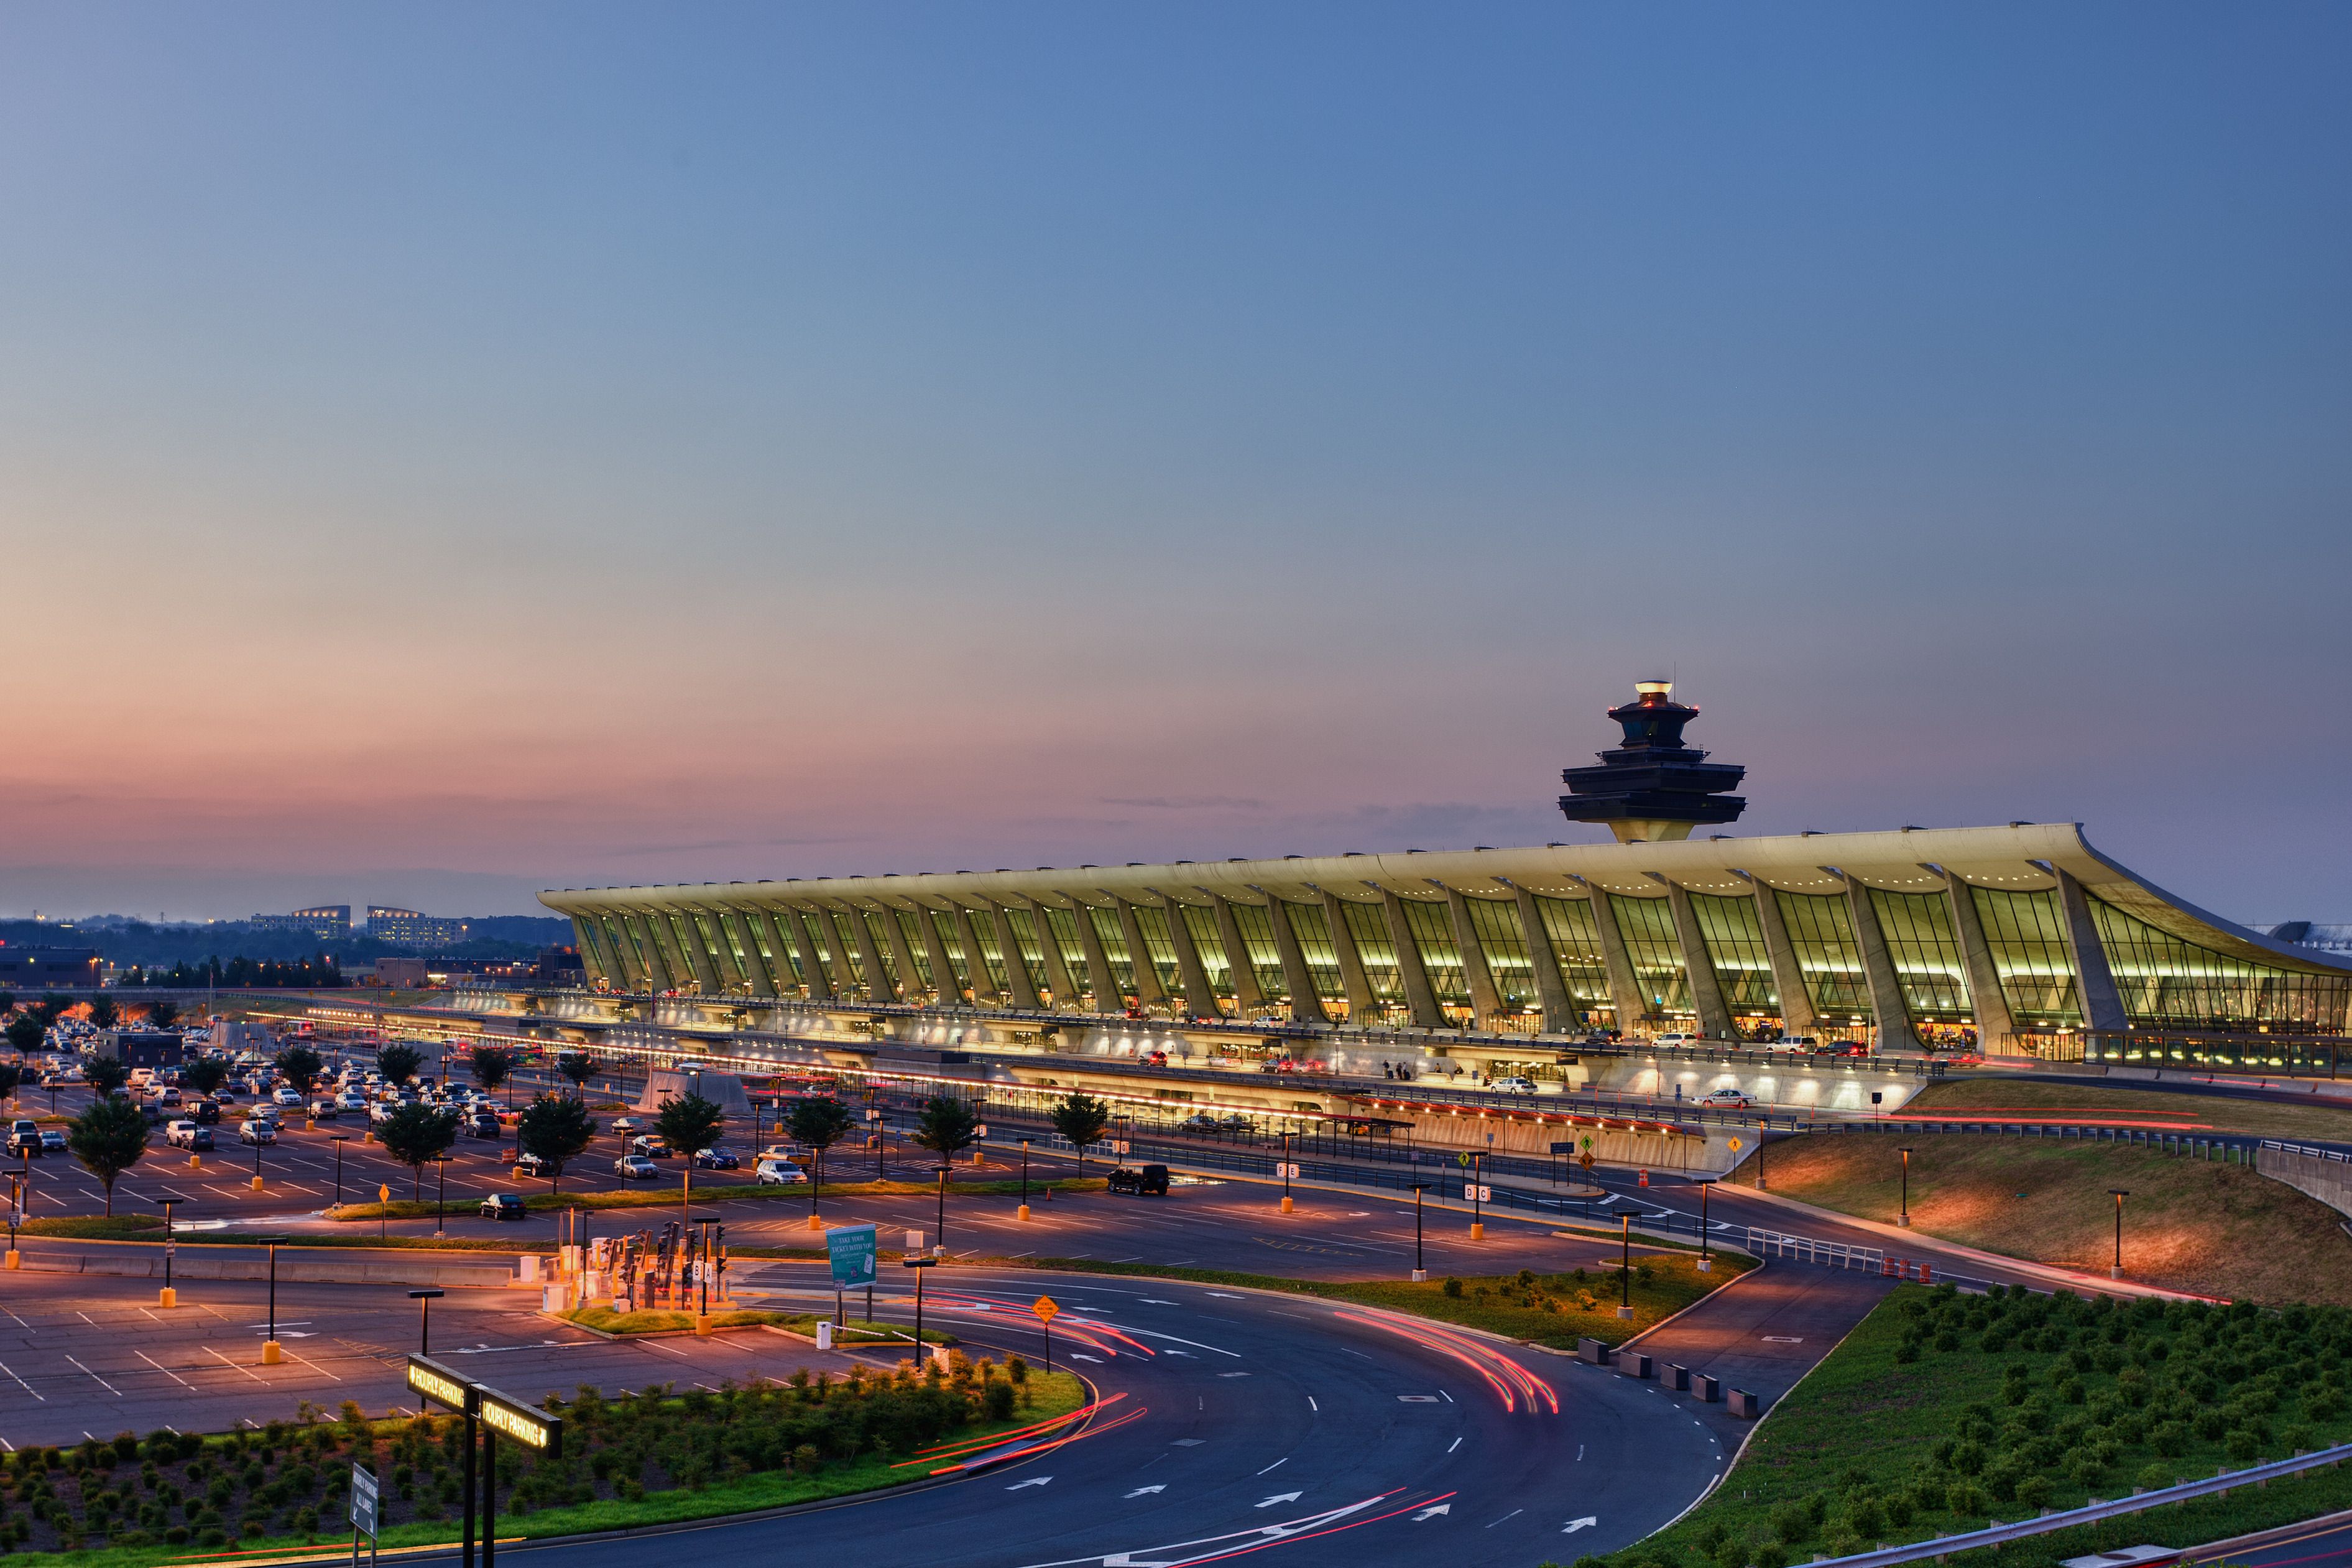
2014	939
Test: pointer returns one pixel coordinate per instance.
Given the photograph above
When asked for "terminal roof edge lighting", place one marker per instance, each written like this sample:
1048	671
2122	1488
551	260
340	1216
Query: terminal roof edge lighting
2009	934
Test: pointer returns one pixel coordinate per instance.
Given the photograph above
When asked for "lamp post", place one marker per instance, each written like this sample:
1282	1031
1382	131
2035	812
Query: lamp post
918	1265
1285	1173
1025	1179
1419	1273
1903	1218
339	1139
881	1136
169	1297
1626	1266
1705	1264
1478	1196
2119	1194
440	1192
939	1241
425	1299
16	1213
256	1157
270	1350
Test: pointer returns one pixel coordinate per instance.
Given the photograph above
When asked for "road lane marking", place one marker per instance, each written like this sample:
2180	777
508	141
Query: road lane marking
1454	1445
1275	1466
101	1382
23	1384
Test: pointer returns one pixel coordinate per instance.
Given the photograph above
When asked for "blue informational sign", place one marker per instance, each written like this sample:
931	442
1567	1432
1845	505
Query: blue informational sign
852	1249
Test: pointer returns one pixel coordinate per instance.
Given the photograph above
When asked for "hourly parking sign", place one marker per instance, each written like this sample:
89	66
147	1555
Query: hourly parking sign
851	1249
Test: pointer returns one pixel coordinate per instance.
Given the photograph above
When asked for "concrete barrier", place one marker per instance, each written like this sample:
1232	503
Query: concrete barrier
1634	1364
1594	1352
1743	1405
1677	1378
1709	1389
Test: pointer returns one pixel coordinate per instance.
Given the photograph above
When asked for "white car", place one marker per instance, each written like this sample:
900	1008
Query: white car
256	1131
1513	1084
787	1153
625	1125
777	1174
287	1095
185	1135
348	1102
636	1168
1726	1099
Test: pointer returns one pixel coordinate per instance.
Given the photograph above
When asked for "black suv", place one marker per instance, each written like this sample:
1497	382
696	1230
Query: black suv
1151	1179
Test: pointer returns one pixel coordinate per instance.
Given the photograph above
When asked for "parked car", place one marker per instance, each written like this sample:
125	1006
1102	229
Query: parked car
787	1153
256	1131
777	1174
347	1100
206	1111
1513	1084
53	1140
188	1135
1725	1100
1805	1043
636	1168
482	1124
1198	1122
503	1205
652	1146
24	1137
628	1125
1146	1179
287	1095
717	1159
167	1095
324	1111
534	1165
1675	1040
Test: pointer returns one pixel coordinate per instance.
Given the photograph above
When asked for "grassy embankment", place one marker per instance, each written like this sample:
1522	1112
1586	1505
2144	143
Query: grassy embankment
2188	1225
657	1458
2180	1109
1941	1413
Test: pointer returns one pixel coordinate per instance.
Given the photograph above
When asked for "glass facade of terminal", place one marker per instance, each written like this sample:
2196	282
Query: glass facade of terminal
1499	959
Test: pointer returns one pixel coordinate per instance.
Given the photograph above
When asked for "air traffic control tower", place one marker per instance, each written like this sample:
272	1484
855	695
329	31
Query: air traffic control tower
1654	787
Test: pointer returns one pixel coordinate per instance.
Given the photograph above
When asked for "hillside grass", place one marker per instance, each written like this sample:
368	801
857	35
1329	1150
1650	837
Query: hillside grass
2199	1226
1941	1413
2218	1113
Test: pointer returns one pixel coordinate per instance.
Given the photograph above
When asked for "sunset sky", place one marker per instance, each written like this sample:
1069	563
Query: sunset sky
447	451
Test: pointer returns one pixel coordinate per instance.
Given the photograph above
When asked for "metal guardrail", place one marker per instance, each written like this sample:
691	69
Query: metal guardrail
2312	1151
1806	1249
1999	1534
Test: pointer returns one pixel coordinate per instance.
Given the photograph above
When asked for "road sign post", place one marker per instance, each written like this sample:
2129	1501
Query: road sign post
1045	1307
851	1249
363	1511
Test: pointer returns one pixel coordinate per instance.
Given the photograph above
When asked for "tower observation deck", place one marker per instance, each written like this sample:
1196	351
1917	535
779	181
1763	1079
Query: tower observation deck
1653	787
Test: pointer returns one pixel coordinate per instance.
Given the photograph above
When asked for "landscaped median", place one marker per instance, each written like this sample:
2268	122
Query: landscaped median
1941	1413
711	1193
603	1320
657	1456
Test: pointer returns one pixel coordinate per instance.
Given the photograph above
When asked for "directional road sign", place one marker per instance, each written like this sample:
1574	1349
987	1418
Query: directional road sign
1045	1309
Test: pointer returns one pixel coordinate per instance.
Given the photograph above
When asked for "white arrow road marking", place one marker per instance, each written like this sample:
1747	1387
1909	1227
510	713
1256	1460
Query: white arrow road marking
1281	1497
1032	1481
1141	1491
1431	1513
1210	1548
1220	1295
1171	1339
1152	1301
1081	1356
1783	1339
1576	1524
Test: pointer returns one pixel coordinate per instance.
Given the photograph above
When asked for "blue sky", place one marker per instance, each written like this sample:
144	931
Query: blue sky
446	451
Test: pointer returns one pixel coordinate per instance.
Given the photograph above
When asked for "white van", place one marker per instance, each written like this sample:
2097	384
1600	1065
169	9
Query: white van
1675	1040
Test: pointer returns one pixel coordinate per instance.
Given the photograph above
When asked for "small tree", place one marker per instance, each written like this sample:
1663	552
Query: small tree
1081	1118
688	1124
7	1001
946	1126
11	1075
104	1076
820	1122
398	1063
26	1033
162	1013
108	1138
205	1074
51	1007
556	1128
577	1065
493	1065
417	1135
104	1014
299	1065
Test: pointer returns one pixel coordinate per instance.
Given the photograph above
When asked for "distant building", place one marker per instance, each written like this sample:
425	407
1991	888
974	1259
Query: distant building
32	968
407	928
232	1038
406	972
326	920
558	966
140	1048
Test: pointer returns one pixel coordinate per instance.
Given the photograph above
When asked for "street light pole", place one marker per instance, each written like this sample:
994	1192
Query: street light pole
270	1349
1477	1193
1419	1273
440	1192
1625	1266
425	1299
1285	1173
1903	1218
169	1298
339	1139
1025	1179
918	1265
941	1242
1705	1264
2119	1194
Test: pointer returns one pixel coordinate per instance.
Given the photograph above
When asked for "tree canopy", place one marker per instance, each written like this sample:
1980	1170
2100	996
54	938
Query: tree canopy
1081	1118
26	1033
203	1074
299	1065
819	1121
11	1075
491	1065
108	1138
417	1135
577	1065
556	1128
946	1126
104	1014
398	1063
105	1075
162	1013
688	1123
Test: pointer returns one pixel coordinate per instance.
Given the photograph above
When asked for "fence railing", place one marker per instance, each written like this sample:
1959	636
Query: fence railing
1806	1249
1999	1534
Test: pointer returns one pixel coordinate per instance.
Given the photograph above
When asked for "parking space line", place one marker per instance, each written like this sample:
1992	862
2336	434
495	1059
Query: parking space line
23	1384
166	1371
101	1382
226	1361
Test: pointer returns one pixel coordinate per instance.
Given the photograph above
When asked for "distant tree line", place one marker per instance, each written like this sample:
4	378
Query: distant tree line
322	972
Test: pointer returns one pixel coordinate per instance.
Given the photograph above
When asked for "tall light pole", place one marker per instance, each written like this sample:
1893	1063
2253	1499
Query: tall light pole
2119	1194
1285	1173
1025	1179
339	1139
425	1299
1625	1266
939	1243
16	1213
1419	1273
270	1350
1477	1197
918	1265
440	1192
169	1298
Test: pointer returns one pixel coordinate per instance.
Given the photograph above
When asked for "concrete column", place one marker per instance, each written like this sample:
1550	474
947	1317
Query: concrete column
597	940
1996	1030
944	978
1057	968
674	960
1625	996
1361	1003
1108	997
1248	997
1420	999
715	947
1886	1004
1797	1015
1306	1001
983	984
1552	990
1199	996
738	927
784	947
1706	987
1016	969
1484	1000
846	984
2094	982
1147	988
820	983
879	986
910	975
